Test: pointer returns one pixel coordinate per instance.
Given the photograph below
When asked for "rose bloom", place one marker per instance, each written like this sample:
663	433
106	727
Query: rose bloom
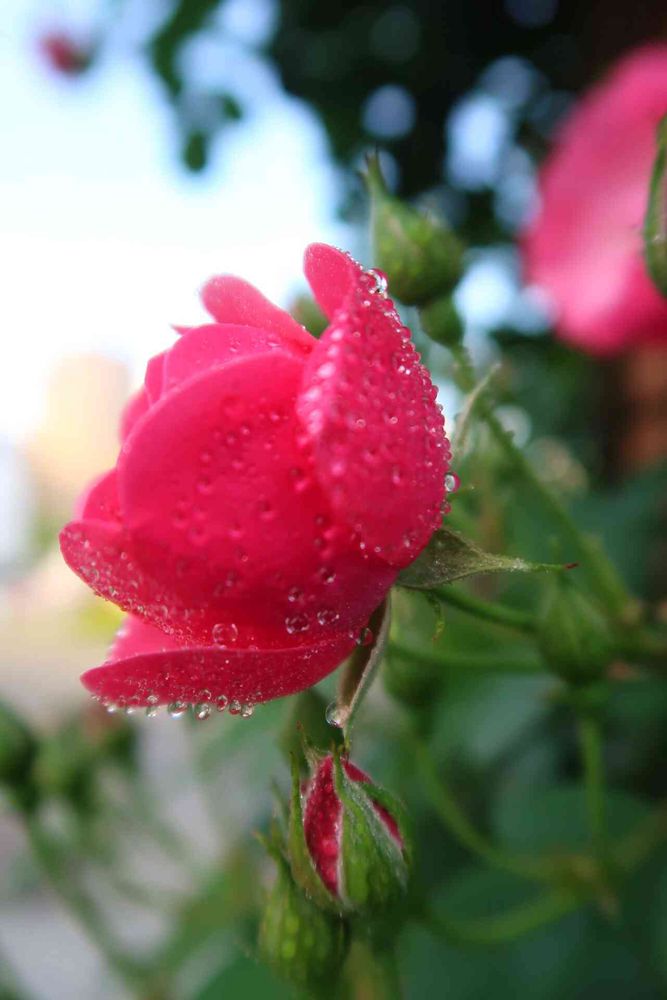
584	247
268	490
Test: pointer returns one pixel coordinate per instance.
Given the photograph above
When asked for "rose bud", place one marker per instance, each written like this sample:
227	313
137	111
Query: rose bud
420	255
347	842
269	488
302	943
584	244
63	54
574	635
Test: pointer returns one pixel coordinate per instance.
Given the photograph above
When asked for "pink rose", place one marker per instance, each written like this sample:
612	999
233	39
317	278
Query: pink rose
268	489
584	246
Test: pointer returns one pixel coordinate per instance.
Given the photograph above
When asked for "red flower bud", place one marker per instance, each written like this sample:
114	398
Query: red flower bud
63	54
347	847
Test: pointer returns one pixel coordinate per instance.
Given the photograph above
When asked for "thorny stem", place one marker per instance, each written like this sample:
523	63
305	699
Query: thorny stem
607	582
459	826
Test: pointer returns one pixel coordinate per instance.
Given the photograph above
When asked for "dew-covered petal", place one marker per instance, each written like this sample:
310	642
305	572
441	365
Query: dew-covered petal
368	407
332	275
210	346
147	668
100	501
233	300
135	408
218	496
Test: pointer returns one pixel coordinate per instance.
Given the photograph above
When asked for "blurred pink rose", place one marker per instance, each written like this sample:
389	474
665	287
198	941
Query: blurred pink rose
584	246
63	54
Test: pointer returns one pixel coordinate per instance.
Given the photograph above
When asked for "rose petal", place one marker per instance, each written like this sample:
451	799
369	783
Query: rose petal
227	506
332	275
137	405
369	408
146	668
232	300
100	501
207	347
154	378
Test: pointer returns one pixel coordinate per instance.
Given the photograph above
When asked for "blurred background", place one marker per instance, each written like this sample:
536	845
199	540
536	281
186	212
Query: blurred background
149	144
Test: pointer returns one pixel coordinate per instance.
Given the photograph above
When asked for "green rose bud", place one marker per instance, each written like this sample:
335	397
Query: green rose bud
347	843
574	635
419	254
441	322
302	943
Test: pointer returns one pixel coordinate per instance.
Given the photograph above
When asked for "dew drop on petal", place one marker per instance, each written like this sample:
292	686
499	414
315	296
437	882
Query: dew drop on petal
224	634
297	623
452	482
221	702
365	637
176	709
202	711
333	715
247	710
235	707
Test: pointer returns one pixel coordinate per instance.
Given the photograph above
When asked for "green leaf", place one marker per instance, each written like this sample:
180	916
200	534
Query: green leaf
655	223
449	557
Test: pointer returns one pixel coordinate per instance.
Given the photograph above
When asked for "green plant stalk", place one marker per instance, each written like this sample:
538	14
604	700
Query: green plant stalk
48	854
470	662
506	927
459	826
500	614
607	582
590	738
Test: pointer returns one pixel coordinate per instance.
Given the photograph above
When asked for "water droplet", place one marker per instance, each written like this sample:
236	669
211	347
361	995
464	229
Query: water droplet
112	708
176	709
202	710
224	634
327	616
152	711
327	575
247	710
365	637
235	707
294	594
130	710
297	623
221	702
333	715
452	482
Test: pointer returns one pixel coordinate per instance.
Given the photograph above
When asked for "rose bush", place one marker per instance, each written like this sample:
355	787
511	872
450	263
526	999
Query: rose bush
584	246
268	490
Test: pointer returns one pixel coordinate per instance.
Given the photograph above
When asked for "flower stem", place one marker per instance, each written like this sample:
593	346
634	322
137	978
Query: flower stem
507	926
501	614
459	826
49	856
603	574
590	739
473	663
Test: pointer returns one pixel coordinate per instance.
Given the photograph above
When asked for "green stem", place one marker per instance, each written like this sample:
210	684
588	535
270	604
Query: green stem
590	738
459	826
501	614
608	584
640	843
470	662
49	856
504	928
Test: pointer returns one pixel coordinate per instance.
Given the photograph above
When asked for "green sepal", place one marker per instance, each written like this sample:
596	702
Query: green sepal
449	557
655	222
574	634
303	870
303	944
374	868
420	255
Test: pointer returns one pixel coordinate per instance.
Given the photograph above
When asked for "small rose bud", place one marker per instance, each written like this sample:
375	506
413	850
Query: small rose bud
419	253
347	843
574	635
63	54
441	322
302	943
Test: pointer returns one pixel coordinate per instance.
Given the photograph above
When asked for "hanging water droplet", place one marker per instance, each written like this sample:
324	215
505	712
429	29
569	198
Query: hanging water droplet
130	710
247	710
452	482
176	709
202	711
224	634
152	711
112	708
365	637
235	707
333	715
221	702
